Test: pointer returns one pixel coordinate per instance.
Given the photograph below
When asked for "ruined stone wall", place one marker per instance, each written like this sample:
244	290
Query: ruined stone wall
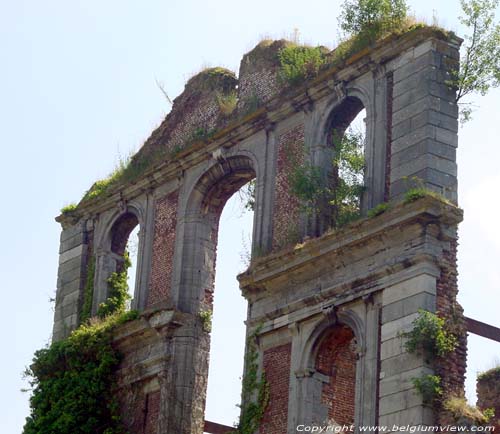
488	394
451	368
370	277
163	250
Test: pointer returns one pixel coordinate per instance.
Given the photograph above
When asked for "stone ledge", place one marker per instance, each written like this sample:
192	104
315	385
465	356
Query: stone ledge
425	210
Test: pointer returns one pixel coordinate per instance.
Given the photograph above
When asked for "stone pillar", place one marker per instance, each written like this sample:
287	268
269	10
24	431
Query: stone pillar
424	120
72	273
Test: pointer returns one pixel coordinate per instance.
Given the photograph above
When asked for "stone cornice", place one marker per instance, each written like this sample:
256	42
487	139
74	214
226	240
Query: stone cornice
277	109
270	271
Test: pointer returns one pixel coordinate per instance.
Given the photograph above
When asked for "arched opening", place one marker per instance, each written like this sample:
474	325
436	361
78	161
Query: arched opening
119	266
344	163
335	362
204	215
229	311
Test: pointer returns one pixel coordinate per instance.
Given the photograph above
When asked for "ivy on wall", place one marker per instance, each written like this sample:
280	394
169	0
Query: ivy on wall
73	382
117	290
255	390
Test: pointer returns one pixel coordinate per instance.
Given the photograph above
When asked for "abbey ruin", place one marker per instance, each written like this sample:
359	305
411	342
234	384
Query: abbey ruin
327	308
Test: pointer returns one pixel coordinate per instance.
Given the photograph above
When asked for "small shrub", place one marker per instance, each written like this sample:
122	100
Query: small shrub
493	373
299	63
68	209
102	186
462	411
337	198
251	104
227	103
429	336
417	193
429	387
372	18
201	134
379	209
206	320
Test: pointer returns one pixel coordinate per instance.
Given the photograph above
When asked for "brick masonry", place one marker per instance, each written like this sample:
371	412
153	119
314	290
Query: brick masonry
452	367
163	249
286	215
276	365
337	359
488	394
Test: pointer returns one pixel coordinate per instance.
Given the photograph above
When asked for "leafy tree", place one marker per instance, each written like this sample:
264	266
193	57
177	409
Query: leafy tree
371	17
480	66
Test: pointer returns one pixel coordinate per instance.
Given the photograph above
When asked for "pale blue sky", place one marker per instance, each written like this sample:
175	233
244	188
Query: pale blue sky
77	86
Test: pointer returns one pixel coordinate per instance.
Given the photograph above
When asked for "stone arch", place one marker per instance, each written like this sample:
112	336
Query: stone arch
332	370
111	241
201	221
337	114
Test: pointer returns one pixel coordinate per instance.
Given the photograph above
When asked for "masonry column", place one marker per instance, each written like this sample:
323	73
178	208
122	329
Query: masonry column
424	119
75	244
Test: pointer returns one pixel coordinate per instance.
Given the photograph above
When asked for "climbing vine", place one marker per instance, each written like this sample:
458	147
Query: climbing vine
429	387
73	382
255	390
429	337
117	290
88	291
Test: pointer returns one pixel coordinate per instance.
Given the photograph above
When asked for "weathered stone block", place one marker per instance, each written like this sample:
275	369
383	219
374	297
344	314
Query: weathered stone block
408	306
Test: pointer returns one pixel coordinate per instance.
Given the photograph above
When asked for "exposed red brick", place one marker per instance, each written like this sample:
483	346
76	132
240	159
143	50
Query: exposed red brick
488	395
163	249
151	413
452	367
337	359
286	206
277	371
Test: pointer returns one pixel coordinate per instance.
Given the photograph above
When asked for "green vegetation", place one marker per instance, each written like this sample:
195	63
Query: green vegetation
206	320
299	63
251	104
493	373
370	19
460	410
88	292
338	198
117	291
227	103
73	382
379	209
119	174
479	68
201	134
67	209
429	336
414	194
247	195
429	387
255	390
